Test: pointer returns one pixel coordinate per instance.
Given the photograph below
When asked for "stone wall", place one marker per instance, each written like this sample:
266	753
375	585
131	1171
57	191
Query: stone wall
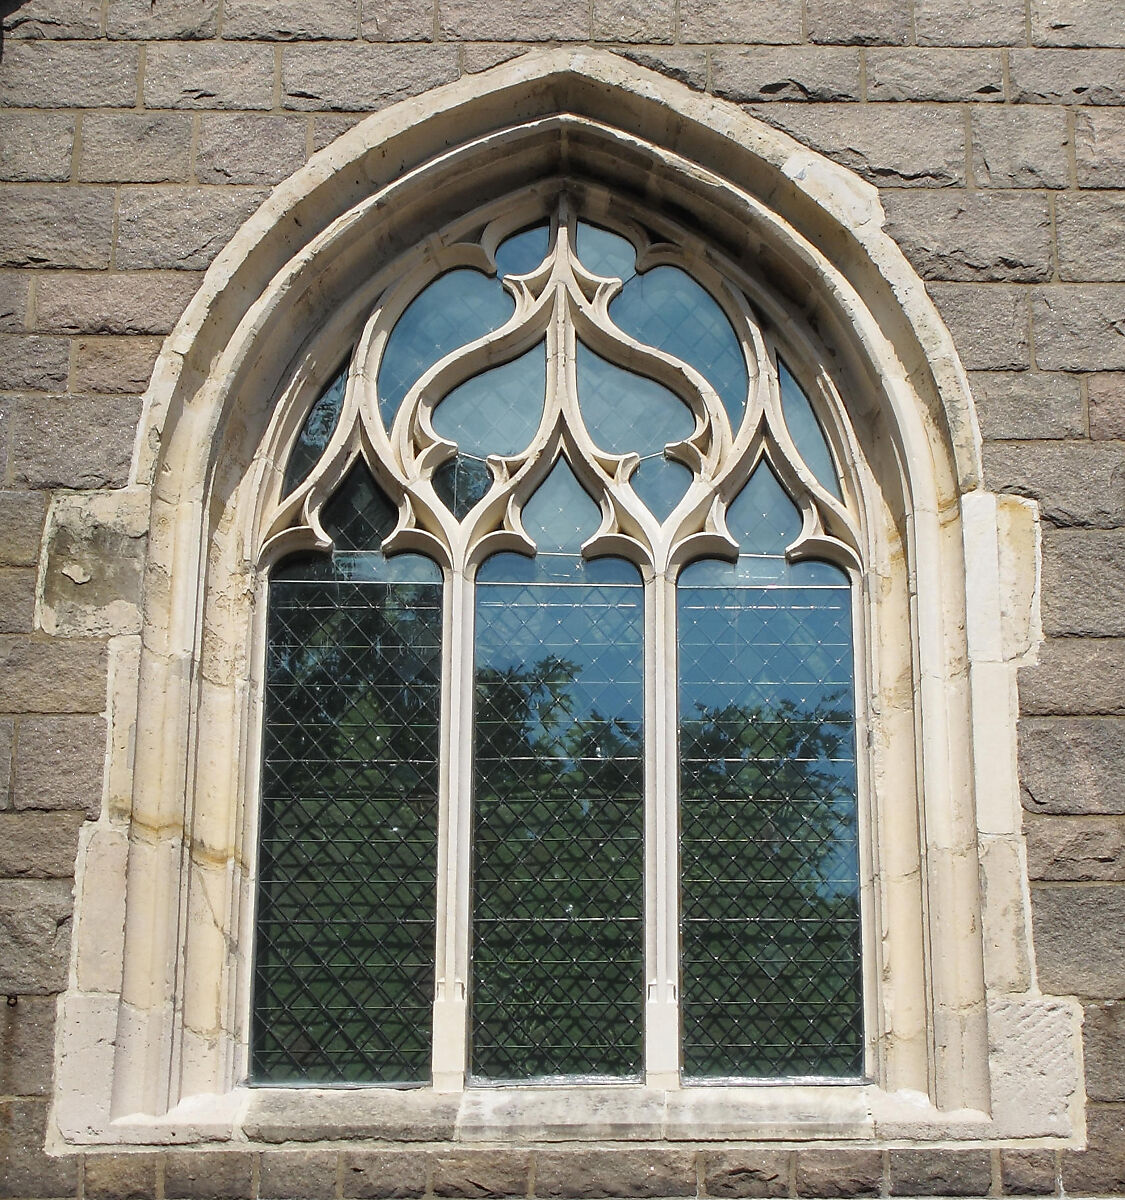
138	134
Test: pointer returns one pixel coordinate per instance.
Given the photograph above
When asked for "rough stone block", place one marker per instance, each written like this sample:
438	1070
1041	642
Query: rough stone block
52	226
113	365
481	1173
170	19
683	63
989	323
46	675
1076	483
1099	148
597	1173
209	75
17	599
1103	1036
249	148
1028	405
940	1172
290	20
1107	404
135	148
1085	253
1075	677
195	1176
1020	147
360	78
1084	583
1100	1169
839	1173
1028	1172
762	73
970	22
64	75
298	1175
147	302
25	1168
1078	943
1067	76
53	19
382	1174
1077	23
771	22
397	20
1079	328
181	229
36	146
37	845
945	75
35	919
1075	849
29	362
859	22
13	299
1066	764
73	441
893	145
59	763
112	1176
963	236
21	526
27	1043
633	21
327	127
746	1172
514	20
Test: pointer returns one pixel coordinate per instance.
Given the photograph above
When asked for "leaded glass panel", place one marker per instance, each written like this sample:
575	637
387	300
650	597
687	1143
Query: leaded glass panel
805	430
315	432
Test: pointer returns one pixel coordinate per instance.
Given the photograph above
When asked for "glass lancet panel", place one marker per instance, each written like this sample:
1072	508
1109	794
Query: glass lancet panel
805	430
604	253
344	966
523	251
558	853
317	429
770	922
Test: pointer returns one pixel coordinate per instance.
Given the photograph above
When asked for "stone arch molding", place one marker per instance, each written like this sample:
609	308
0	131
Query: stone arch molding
962	1045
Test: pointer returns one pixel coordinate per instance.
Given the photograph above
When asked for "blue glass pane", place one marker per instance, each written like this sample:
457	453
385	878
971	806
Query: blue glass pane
358	516
626	412
455	309
605	253
805	430
764	569
661	484
498	411
560	515
461	482
762	518
523	251
667	309
315	432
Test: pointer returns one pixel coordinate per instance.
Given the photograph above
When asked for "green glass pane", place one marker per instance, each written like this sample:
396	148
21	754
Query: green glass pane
317	429
497	411
523	251
805	430
604	253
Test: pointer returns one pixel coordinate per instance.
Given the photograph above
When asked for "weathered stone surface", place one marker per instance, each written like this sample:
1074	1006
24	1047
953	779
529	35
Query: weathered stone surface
1103	1036
1077	23
298	1175
746	1172
7	738
228	1173
1028	405
21	526
1020	147
53	226
181	228
113	365
148	302
683	63
1075	677
839	1172
481	1173
972	235
1099	148
1085	253
382	1174
1079	328
858	22
633	21
73	441
1067	76
1066	764
120	1176
209	75
1078	941
135	148
970	22
940	1172
370	1114
1107	404
185	19
1076	483
25	1168
359	78
1028	1172
1075	849
53	74
17	599
327	127
249	148
1084	582
27	1043
946	75
290	20
988	323
53	19
397	20
35	919
59	764
761	73
593	1173
514	20
13	299
1099	1170
890	144
45	675
774	22
29	362
36	146
37	845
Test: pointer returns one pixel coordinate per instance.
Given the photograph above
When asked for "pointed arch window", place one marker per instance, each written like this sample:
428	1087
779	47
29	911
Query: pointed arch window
559	741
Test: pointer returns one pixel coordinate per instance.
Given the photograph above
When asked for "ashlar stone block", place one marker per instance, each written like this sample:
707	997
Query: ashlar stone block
27	1043
1107	404
940	1172
47	675
1099	148
839	1173
397	20
135	148
1085	253
1067	764
634	1172
52	74
1067	76
249	148
945	75
26	1169
202	1176
73	441
298	1175
290	20
1075	677
22	515
1080	328
209	75
31	362
1084	582
989	323
761	73
1077	23
35	920
478	1174
514	20
736	1173
1099	1170
382	1174
13	299
17	599
37	845
1076	483
858	22
120	1176
180	229
1016	147
59	763
170	19
763	22
53	19
36	147
52	226
1103	1035
1028	1172
1028	405
362	78
970	22
145	302
1075	849
113	365
633	20
1078	940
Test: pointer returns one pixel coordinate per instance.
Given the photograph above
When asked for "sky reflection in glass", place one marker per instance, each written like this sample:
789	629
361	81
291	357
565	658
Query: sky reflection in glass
316	432
805	430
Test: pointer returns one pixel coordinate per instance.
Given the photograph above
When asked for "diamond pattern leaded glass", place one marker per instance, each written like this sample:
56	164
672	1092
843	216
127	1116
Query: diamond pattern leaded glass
315	432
